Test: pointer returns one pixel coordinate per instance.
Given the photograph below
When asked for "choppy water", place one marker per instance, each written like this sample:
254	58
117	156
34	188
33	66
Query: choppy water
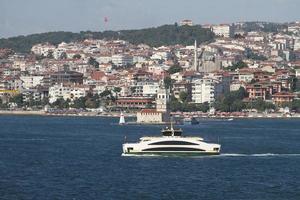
80	158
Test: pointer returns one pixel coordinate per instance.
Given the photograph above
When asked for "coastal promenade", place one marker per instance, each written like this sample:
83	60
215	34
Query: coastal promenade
178	115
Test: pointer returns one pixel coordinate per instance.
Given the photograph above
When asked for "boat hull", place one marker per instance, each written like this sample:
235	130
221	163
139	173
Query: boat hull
178	153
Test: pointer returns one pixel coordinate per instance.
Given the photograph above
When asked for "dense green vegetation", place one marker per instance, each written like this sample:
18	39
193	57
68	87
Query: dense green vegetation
174	69
295	105
238	65
185	106
232	101
163	35
251	55
263	26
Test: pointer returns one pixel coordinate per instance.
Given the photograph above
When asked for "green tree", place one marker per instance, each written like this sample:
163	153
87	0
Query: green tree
183	96
77	56
174	69
168	82
261	105
63	56
92	61
17	99
79	103
61	103
232	101
238	65
117	89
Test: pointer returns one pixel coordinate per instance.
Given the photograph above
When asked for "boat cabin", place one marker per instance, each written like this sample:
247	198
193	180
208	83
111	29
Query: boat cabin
171	132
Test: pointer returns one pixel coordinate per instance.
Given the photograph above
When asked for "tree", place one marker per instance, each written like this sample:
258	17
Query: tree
63	56
91	103
159	36
92	61
232	101
61	103
204	107
79	103
105	93
296	105
261	105
183	96
117	89
174	69
168	82
238	65
17	99
50	54
77	56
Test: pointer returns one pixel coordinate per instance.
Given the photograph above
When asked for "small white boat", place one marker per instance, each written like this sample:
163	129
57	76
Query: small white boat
230	119
122	119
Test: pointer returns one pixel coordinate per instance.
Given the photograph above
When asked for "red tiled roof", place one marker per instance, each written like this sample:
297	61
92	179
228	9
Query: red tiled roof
149	111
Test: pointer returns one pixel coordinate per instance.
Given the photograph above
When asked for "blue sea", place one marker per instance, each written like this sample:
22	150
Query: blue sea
80	158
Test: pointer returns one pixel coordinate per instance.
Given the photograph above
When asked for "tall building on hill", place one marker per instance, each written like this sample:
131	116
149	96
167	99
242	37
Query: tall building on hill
195	57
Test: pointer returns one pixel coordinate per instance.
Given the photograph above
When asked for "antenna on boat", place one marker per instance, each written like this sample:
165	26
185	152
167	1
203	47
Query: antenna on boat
172	129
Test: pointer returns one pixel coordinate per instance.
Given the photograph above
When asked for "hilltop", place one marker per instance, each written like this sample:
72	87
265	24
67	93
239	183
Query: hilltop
158	36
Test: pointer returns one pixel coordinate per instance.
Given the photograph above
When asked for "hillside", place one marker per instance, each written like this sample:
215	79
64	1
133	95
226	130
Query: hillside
163	35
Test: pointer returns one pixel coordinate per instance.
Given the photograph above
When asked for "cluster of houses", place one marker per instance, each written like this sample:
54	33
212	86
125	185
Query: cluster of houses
134	73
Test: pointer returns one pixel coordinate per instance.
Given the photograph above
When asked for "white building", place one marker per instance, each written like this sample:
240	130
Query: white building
222	30
43	49
66	92
186	22
246	77
297	72
296	44
161	55
150	89
206	90
122	60
31	81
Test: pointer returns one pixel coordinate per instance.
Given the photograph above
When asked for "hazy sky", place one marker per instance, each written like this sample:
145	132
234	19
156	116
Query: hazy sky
21	17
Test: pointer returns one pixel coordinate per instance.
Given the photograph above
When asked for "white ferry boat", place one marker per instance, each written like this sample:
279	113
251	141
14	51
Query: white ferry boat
171	143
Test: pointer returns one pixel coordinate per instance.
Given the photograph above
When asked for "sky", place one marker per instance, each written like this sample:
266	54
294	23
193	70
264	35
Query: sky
23	17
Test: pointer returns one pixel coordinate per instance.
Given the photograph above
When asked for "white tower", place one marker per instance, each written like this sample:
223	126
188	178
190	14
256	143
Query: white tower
195	57
162	99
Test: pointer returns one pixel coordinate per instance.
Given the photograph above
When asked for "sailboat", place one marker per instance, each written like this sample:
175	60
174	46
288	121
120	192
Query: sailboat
122	119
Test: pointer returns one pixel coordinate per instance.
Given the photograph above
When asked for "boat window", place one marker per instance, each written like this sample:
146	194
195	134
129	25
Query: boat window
172	149
173	143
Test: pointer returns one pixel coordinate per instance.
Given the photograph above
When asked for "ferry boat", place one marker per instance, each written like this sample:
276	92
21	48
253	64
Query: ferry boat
171	143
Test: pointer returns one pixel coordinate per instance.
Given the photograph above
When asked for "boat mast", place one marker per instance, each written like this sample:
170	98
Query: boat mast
172	129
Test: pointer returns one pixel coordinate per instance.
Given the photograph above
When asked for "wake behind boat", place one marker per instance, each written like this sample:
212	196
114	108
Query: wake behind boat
171	143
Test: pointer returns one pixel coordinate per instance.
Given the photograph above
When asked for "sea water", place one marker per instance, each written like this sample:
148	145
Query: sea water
81	158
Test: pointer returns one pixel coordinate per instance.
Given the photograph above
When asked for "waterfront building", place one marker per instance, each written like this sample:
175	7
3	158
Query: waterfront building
66	92
134	102
161	113
282	97
206	90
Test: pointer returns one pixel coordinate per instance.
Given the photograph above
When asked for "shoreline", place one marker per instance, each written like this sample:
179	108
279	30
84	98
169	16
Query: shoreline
115	114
